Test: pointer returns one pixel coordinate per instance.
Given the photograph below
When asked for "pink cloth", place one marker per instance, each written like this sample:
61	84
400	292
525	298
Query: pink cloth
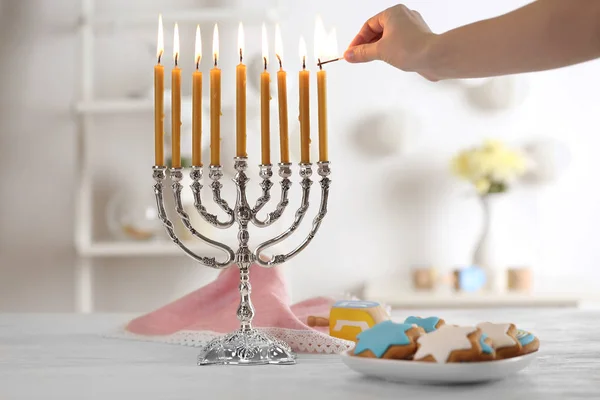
213	307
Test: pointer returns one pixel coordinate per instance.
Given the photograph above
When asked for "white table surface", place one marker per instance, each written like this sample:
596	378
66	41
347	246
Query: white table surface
66	357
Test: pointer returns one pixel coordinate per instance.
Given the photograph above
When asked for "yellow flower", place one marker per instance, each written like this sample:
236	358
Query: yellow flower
482	186
493	145
492	163
460	165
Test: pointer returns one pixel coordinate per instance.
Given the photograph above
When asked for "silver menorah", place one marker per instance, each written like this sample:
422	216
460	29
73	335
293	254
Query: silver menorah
247	345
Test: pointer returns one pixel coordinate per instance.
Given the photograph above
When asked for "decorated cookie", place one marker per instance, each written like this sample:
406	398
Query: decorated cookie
450	343
487	350
503	337
529	342
429	324
388	340
348	318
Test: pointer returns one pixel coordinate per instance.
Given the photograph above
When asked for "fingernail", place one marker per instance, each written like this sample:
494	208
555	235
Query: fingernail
349	55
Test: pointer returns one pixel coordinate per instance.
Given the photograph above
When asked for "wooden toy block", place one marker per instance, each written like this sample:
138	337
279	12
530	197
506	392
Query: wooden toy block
348	318
520	279
424	278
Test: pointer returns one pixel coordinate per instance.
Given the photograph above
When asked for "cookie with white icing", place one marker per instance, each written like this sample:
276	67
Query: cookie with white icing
429	324
504	338
529	342
388	340
450	343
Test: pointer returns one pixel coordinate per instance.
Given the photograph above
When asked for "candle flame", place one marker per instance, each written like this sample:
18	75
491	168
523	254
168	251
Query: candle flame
216	44
176	44
320	39
332	46
160	42
265	45
302	51
198	52
278	44
241	41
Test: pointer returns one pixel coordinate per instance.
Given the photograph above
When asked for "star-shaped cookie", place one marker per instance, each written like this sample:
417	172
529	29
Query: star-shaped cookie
499	333
430	324
441	343
503	337
381	337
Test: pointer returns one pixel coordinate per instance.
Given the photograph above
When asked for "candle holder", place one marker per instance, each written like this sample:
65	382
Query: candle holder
247	345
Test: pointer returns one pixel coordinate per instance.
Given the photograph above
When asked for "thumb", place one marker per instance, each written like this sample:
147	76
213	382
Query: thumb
362	53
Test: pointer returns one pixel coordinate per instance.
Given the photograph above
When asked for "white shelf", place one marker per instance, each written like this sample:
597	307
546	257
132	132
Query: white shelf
249	15
399	297
92	24
150	248
481	300
115	106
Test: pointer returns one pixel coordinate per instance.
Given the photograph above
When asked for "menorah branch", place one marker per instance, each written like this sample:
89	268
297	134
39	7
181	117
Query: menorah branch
266	172
159	176
306	182
285	172
215	175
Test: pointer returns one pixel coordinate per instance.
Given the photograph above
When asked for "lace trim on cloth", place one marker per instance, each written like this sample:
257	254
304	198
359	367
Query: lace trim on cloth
299	341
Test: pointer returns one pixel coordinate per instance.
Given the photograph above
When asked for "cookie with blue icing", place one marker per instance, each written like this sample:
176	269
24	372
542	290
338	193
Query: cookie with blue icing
388	340
429	324
487	348
529	342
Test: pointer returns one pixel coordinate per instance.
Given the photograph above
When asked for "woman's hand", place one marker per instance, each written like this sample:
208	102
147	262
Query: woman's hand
542	35
398	36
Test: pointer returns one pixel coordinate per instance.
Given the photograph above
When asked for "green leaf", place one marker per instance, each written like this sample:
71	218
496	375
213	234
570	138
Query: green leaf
498	187
186	162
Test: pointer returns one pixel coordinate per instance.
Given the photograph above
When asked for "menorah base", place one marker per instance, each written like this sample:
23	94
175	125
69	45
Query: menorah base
246	347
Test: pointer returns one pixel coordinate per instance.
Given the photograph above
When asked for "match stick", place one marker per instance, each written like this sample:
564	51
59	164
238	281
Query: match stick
329	61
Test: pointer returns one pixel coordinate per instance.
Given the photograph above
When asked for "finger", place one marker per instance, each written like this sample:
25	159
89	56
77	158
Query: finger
362	53
372	29
418	16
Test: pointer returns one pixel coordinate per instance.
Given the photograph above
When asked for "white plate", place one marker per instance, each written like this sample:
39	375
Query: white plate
426	372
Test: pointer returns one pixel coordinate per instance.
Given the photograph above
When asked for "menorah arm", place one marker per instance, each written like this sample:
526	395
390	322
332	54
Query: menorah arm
265	173
159	176
305	172
215	175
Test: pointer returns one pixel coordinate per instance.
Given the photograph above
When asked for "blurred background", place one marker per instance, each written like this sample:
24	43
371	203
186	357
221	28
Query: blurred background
78	230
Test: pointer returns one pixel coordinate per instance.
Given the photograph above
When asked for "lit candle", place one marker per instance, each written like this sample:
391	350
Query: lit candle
240	98
265	97
197	105
176	105
304	77
284	146
215	104
159	87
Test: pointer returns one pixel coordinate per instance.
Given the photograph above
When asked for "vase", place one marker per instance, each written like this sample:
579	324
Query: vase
492	247
131	215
